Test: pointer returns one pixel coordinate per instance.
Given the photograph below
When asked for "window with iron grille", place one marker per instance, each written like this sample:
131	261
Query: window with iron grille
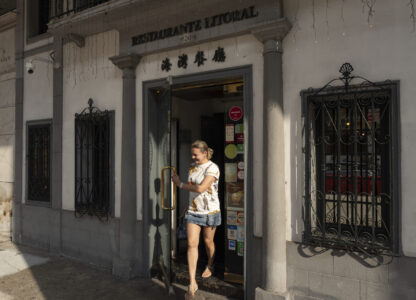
39	161
93	162
63	8
351	163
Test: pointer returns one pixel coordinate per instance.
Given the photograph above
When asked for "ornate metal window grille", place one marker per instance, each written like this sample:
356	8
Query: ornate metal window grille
39	162
92	162
351	162
66	7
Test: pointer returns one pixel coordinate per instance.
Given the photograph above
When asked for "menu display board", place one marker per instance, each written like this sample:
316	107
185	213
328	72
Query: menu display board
234	169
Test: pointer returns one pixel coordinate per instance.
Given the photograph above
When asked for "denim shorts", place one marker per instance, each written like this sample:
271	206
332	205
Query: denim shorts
211	220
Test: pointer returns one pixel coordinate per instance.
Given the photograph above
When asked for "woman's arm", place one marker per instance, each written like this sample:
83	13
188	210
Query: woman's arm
197	188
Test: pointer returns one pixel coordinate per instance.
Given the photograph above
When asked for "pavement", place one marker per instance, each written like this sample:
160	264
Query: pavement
28	273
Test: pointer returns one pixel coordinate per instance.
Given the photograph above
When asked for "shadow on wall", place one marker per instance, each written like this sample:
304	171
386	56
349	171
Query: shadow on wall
367	260
158	266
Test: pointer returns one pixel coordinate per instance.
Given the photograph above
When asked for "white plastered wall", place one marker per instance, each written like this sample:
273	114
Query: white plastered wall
88	73
240	51
37	99
7	126
7	109
384	50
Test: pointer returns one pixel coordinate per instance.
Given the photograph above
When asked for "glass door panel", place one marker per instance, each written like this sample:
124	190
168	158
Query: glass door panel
162	193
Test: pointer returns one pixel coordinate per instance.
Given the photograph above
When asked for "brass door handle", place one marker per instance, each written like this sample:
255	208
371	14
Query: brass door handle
162	176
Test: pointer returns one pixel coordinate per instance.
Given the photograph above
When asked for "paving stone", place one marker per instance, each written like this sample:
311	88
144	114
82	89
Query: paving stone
12	261
266	295
67	279
302	297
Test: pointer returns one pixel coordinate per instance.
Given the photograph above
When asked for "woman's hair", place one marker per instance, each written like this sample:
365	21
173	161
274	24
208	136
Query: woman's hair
203	147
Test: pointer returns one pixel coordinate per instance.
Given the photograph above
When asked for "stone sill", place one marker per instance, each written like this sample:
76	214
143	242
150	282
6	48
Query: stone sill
37	38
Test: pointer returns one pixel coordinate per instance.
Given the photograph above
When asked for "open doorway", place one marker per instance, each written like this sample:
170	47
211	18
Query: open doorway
212	111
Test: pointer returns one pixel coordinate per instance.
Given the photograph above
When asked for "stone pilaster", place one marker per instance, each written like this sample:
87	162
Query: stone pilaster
56	181
123	266
17	215
274	201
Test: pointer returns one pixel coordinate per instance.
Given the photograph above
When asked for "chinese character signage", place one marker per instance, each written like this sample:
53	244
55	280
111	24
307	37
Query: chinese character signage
199	59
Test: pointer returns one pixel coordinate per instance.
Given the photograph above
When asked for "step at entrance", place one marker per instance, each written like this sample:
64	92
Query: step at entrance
214	284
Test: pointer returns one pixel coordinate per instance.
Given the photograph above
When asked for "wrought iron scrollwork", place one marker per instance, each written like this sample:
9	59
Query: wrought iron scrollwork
346	78
92	162
348	133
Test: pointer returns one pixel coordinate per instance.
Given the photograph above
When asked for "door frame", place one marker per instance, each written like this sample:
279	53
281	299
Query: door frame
245	72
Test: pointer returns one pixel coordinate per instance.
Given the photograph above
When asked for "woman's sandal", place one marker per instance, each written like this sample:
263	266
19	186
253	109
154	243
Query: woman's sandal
190	294
210	269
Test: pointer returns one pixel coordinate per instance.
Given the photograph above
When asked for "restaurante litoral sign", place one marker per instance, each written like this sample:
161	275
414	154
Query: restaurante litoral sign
208	22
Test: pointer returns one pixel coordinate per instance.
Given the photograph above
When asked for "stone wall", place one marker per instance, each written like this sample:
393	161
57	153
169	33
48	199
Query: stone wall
317	273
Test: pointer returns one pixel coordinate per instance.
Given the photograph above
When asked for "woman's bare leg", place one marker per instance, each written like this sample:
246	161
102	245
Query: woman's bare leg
209	233
193	232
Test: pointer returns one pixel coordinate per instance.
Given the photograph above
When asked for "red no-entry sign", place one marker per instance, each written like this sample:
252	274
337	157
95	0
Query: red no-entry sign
235	113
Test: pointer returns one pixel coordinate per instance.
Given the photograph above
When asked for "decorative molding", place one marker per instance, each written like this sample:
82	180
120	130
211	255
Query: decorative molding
8	20
275	30
126	61
38	50
79	40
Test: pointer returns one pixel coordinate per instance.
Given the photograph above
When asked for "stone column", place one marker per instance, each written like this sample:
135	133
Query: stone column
123	266
55	239
274	206
17	214
274	200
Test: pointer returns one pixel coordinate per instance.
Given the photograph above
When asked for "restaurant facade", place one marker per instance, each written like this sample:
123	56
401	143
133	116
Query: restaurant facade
308	107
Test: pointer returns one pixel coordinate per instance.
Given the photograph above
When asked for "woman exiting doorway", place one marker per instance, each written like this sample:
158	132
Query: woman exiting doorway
203	212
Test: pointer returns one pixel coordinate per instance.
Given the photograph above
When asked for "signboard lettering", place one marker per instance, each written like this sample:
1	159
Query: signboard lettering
197	25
